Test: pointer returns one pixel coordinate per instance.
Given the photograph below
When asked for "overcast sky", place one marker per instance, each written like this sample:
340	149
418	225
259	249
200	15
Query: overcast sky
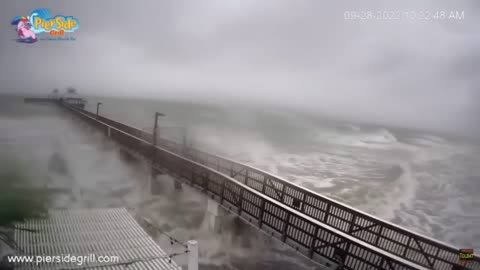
298	53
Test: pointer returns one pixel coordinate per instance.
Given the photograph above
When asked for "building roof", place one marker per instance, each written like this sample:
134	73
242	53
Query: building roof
101	232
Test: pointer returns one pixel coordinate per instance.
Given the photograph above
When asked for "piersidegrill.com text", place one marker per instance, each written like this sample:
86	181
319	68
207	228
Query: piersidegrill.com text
63	259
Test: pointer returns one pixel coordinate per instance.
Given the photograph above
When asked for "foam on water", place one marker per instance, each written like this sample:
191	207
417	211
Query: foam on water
375	172
380	138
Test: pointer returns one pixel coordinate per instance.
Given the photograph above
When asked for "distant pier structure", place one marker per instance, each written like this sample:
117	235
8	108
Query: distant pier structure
70	97
74	100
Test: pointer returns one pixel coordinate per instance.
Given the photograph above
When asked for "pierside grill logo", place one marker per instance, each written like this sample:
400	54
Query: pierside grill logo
30	28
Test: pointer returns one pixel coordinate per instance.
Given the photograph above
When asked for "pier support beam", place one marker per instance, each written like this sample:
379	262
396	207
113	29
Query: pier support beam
177	185
160	183
155	185
192	255
216	216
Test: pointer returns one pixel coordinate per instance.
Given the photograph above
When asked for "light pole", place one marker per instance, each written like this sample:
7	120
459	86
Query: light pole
157	114
184	140
98	106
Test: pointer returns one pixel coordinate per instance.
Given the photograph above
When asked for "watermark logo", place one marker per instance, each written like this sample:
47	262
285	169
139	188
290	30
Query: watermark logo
465	255
30	28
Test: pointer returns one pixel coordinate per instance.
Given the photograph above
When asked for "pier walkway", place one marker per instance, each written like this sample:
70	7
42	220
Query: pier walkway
88	239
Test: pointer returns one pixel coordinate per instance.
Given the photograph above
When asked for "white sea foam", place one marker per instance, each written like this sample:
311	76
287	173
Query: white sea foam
380	138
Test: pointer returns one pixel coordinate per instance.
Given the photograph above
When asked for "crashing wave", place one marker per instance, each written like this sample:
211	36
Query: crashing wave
361	139
383	136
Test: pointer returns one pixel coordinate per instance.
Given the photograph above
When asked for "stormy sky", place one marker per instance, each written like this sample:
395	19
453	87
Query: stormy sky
298	53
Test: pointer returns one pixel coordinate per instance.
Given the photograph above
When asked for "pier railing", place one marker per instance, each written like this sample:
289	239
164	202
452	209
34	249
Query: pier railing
307	235
373	231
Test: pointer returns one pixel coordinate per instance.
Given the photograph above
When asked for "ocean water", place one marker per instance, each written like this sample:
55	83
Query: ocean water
425	182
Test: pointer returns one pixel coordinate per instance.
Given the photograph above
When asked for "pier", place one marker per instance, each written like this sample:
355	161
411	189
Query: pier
328	232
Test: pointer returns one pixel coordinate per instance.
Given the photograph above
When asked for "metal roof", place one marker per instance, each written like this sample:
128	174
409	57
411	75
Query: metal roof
102	232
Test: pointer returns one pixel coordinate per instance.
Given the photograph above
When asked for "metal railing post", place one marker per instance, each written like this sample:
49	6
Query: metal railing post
285	227
240	202
260	215
311	252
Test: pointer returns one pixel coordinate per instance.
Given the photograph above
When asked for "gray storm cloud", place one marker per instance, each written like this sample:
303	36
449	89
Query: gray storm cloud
299	54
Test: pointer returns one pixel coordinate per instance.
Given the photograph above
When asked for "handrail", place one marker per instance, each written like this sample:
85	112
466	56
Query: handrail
289	224
372	230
